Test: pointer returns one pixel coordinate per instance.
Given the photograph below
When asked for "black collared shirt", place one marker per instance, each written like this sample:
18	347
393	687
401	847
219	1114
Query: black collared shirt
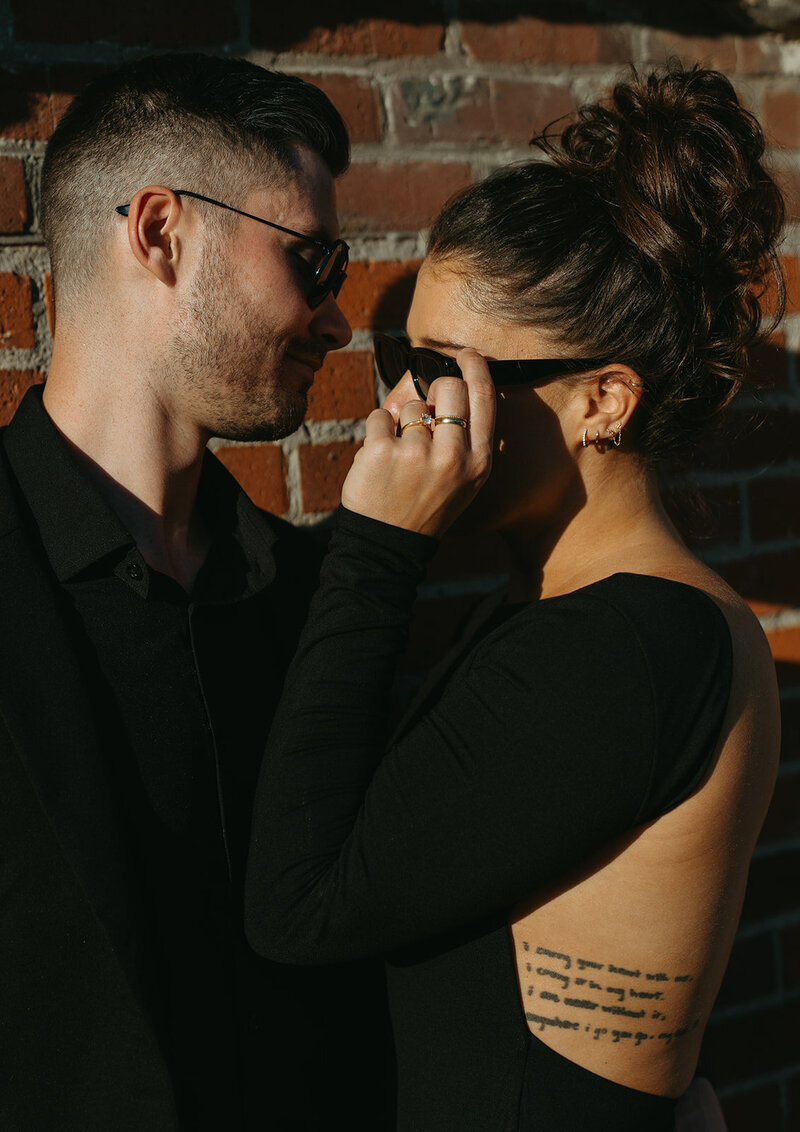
185	687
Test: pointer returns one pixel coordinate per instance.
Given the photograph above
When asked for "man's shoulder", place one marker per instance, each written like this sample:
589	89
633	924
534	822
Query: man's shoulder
297	549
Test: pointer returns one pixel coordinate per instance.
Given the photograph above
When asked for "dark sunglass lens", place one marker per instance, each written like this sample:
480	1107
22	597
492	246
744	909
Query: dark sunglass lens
331	274
391	356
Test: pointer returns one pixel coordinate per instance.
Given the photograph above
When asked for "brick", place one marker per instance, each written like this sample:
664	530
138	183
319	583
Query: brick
790	733
750	974
469	110
344	389
377	294
788	181
754	1108
27	110
261	470
397	198
34	98
14	384
13	199
769	364
323	468
148	23
713	514
765	577
718	51
413	27
780	117
790	951
791	1104
775	508
772	886
50	302
757	1042
527	39
757	55
357	101
16	311
783	817
755	440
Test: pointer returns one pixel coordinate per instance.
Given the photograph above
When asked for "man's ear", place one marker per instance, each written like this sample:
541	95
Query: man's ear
613	393
153	216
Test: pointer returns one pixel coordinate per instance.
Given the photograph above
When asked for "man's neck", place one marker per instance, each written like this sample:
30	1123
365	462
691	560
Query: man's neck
142	458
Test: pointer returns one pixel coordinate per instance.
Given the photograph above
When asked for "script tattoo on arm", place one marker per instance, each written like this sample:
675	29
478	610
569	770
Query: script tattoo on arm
612	1003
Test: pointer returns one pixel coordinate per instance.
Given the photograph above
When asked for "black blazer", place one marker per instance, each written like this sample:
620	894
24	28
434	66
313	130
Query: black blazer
79	1045
77	1048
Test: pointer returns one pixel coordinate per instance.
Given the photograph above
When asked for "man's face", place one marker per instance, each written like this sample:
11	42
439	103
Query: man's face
247	344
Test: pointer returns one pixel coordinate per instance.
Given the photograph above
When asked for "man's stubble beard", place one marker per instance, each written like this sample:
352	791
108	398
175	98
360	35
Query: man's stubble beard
228	361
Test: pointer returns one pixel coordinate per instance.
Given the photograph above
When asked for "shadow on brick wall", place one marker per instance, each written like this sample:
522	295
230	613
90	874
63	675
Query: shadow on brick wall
285	29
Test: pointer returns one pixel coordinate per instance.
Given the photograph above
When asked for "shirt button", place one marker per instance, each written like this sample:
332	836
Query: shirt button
135	572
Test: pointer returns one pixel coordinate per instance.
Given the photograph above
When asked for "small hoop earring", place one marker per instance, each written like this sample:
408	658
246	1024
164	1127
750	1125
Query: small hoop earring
584	441
598	443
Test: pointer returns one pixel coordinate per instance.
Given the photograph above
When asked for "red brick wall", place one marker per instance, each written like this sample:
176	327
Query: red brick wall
435	101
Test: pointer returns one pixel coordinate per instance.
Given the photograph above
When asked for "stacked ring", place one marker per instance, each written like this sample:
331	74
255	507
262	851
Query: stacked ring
426	420
450	420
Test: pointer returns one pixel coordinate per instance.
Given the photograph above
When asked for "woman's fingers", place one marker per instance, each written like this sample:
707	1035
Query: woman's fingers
419	474
379	424
482	403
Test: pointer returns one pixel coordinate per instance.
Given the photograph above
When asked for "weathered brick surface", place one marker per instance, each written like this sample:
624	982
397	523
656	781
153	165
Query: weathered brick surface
783	819
771	890
344	388
776	508
33	98
780	116
481	111
406	29
751	973
356	99
323	468
261	470
394	197
13	199
761	1109
530	40
14	384
750	1045
16	312
377	294
148	23
435	92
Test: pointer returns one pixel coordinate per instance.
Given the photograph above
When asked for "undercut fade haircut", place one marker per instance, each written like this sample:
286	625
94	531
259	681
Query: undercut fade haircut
215	126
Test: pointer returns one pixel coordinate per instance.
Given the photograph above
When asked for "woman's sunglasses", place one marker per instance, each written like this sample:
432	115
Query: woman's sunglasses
395	356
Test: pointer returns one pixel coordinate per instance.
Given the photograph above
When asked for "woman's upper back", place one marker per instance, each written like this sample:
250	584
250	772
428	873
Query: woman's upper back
648	927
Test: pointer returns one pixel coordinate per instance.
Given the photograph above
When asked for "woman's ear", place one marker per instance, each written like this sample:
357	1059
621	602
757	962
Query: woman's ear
613	393
153	216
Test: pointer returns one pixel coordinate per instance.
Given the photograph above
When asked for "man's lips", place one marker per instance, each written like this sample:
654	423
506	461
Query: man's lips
313	361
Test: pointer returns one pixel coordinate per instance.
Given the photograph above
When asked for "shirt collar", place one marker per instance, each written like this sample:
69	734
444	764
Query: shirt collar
79	528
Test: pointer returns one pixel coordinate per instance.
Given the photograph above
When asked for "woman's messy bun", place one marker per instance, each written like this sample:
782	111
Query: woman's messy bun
649	238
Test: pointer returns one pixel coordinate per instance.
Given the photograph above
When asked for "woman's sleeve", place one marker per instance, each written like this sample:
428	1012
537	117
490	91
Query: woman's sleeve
530	760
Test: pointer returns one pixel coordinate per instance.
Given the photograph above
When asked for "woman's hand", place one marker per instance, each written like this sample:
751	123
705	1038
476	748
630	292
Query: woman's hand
422	479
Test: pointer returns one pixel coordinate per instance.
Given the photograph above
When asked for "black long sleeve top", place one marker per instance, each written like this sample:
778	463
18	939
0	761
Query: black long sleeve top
501	778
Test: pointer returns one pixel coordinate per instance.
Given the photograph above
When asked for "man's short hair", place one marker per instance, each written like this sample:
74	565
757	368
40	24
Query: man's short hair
215	126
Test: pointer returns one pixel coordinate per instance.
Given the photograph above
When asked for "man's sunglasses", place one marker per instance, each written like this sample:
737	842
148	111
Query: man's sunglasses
330	272
395	356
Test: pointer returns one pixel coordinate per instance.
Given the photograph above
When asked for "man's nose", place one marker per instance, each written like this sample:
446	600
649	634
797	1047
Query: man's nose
330	324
